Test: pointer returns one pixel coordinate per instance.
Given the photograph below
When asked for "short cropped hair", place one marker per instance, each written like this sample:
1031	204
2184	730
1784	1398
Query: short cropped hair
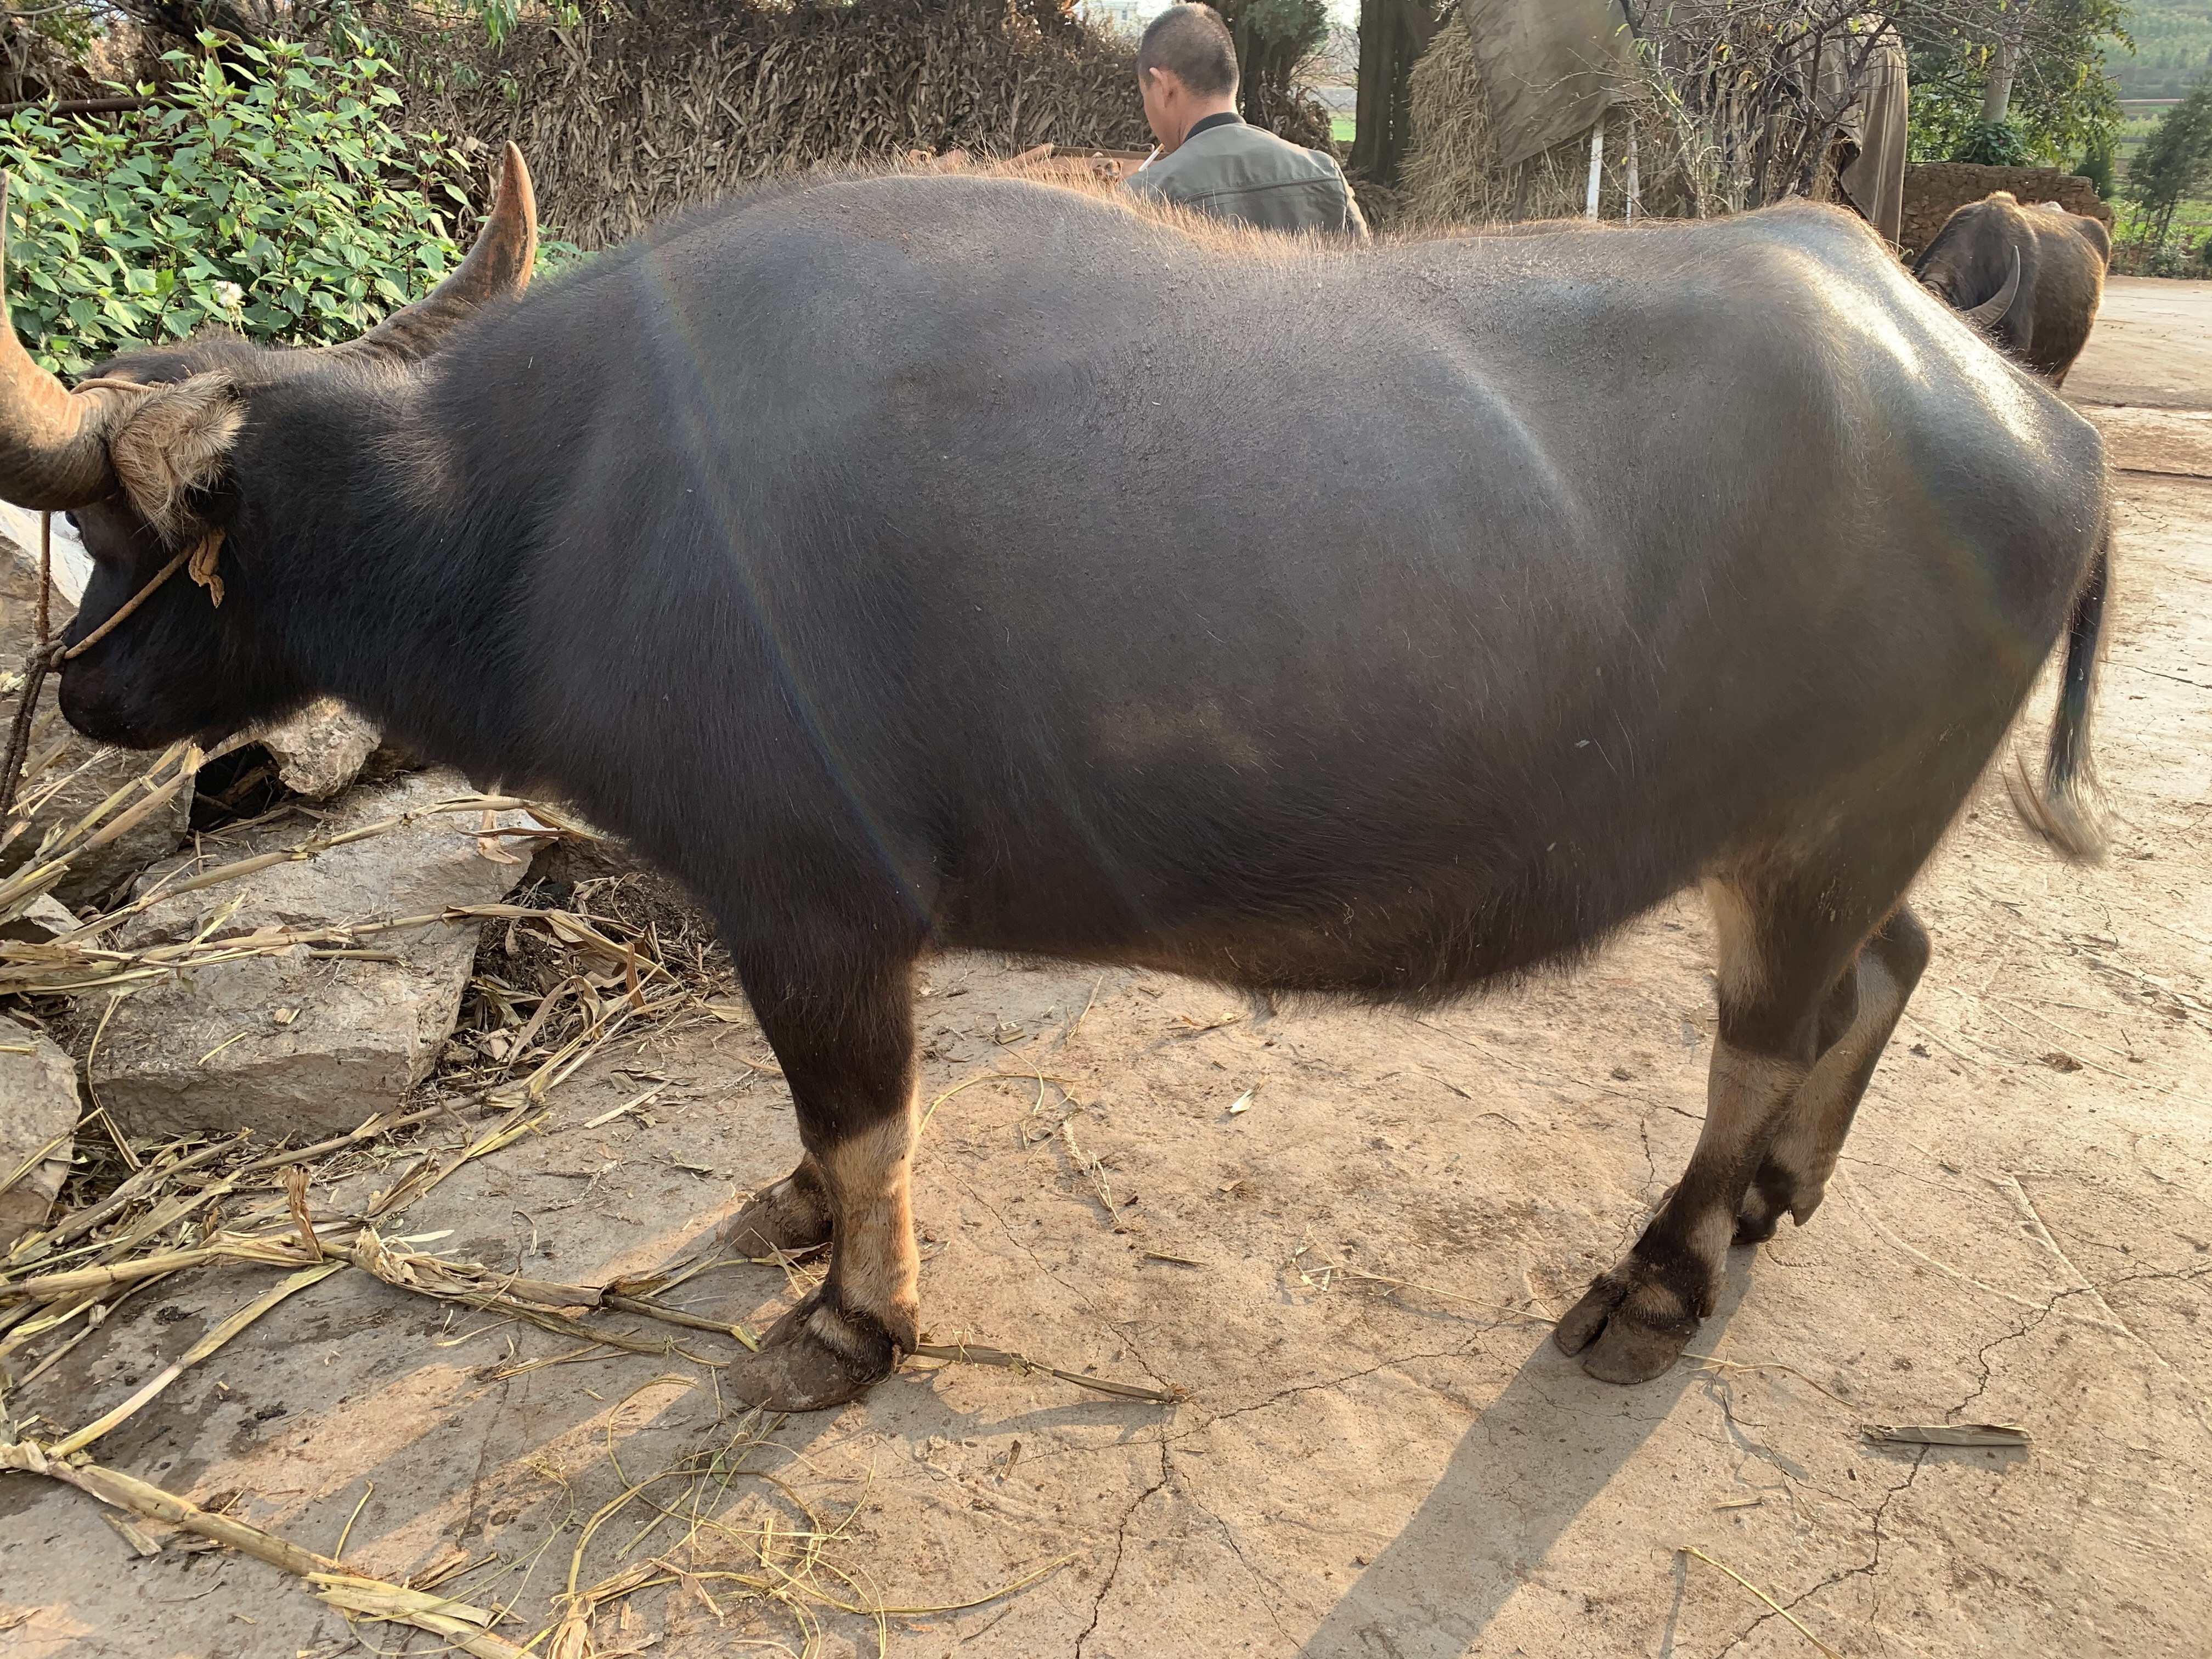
1195	46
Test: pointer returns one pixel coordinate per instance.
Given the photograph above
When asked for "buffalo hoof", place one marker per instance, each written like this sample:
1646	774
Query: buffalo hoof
789	1218
1628	1328
815	1356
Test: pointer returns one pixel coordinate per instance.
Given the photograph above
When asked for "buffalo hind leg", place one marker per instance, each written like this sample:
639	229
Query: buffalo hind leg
1862	1013
844	1036
1783	946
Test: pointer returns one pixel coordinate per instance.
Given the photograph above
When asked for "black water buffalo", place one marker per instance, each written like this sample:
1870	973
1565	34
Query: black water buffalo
2034	276
919	562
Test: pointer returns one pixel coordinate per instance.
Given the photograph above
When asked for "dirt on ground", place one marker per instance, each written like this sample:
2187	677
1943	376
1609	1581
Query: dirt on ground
1339	1235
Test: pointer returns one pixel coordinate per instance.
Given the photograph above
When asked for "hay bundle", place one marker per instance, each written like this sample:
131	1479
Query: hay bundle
648	106
1452	175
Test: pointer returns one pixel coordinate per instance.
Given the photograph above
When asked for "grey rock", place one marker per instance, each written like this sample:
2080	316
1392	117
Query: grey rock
321	749
57	753
72	564
44	918
298	1043
37	1126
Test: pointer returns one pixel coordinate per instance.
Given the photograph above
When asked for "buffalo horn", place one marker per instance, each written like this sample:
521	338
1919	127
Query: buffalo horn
53	441
498	265
1992	311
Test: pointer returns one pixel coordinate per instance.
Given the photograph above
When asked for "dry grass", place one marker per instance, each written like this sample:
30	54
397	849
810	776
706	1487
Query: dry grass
713	1524
628	116
465	1626
1451	175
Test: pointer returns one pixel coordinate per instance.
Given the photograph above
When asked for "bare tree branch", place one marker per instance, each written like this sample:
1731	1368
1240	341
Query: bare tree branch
1748	74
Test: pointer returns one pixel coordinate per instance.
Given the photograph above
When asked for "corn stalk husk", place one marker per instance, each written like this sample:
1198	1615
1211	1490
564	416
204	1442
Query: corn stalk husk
467	1628
281	1251
77	962
200	1350
108	819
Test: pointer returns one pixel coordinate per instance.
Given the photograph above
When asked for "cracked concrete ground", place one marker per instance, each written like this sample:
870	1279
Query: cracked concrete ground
1380	1457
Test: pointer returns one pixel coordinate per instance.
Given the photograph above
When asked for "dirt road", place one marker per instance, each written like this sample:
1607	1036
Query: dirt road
1340	1235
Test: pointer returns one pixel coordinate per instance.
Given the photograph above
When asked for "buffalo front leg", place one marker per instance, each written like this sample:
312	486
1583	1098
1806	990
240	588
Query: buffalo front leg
847	1050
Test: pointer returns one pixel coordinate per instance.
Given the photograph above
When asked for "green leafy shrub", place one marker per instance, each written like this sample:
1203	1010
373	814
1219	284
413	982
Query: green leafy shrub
282	205
2096	167
1995	144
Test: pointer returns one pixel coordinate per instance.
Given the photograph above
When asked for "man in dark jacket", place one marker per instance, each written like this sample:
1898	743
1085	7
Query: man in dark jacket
1208	159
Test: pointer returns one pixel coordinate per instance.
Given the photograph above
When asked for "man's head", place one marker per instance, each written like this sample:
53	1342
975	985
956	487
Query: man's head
1186	70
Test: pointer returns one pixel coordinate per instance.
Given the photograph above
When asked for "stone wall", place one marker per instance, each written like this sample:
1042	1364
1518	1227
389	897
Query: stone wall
1934	191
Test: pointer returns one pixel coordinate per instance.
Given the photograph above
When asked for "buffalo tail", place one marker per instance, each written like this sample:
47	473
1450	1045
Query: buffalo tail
2059	810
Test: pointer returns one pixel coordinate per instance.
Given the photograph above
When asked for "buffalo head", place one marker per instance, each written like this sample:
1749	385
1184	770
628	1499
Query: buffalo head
139	456
2030	278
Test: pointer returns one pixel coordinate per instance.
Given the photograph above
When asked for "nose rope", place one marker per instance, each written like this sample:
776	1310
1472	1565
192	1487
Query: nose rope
200	552
46	656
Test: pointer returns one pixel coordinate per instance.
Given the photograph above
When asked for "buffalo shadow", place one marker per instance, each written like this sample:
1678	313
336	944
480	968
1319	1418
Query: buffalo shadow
1528	1465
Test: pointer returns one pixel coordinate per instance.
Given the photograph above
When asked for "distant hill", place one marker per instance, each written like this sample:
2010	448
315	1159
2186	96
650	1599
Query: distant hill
2173	47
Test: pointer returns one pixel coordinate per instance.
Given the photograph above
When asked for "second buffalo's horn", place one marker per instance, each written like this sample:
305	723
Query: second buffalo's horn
497	267
1992	311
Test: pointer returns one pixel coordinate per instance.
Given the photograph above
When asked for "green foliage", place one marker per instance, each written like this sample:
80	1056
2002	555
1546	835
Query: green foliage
2173	46
1292	27
2063	103
502	17
1995	144
2174	165
1273	38
2096	167
2172	259
72	27
283	205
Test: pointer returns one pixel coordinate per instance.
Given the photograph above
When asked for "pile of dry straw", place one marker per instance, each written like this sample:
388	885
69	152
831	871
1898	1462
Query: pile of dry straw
640	110
1452	175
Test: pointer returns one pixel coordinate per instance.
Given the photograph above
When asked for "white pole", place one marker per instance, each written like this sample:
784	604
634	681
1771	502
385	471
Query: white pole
1597	166
1633	205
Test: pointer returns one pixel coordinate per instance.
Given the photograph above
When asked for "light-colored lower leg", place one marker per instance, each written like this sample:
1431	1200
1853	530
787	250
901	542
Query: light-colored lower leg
1804	1150
873	1266
789	1217
1744	1094
1636	1317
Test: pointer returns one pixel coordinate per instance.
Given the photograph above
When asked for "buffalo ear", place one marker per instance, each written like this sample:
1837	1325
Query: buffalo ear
176	440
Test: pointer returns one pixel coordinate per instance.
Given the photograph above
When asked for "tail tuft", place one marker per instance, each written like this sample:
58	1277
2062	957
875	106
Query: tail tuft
2056	813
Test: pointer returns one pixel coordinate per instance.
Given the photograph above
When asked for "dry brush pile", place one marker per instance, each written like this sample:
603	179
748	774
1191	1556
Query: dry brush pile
640	109
1452	175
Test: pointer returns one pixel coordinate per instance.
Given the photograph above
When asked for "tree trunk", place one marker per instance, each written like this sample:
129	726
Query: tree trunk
1393	34
1378	51
1996	97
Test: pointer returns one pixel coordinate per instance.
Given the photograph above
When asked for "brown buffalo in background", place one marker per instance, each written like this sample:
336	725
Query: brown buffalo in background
2031	276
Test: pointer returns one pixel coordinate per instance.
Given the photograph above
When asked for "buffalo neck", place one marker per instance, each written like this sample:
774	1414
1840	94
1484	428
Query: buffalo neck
389	566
